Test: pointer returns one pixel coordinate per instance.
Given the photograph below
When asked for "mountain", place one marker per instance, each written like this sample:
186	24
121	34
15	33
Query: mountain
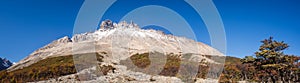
118	48
4	64
114	36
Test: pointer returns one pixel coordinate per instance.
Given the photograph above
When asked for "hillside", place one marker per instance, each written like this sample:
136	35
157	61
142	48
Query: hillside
42	70
55	67
232	60
46	69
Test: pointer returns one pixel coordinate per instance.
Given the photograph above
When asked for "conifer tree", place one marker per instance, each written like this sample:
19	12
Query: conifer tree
272	64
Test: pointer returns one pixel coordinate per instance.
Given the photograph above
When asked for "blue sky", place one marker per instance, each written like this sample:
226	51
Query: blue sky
27	25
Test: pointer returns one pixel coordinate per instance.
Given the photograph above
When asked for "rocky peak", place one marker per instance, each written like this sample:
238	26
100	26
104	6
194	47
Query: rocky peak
107	24
4	63
128	25
123	24
133	25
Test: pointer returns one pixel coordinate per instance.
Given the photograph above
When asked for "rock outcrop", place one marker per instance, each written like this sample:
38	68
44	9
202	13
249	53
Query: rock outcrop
107	24
4	63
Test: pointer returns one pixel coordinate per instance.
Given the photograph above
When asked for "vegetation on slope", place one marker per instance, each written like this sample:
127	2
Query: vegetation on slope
156	63
45	69
42	70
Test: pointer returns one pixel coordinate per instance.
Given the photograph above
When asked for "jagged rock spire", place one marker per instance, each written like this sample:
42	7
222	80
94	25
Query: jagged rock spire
107	24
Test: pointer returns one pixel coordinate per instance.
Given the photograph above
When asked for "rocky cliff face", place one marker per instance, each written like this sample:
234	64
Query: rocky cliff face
4	64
